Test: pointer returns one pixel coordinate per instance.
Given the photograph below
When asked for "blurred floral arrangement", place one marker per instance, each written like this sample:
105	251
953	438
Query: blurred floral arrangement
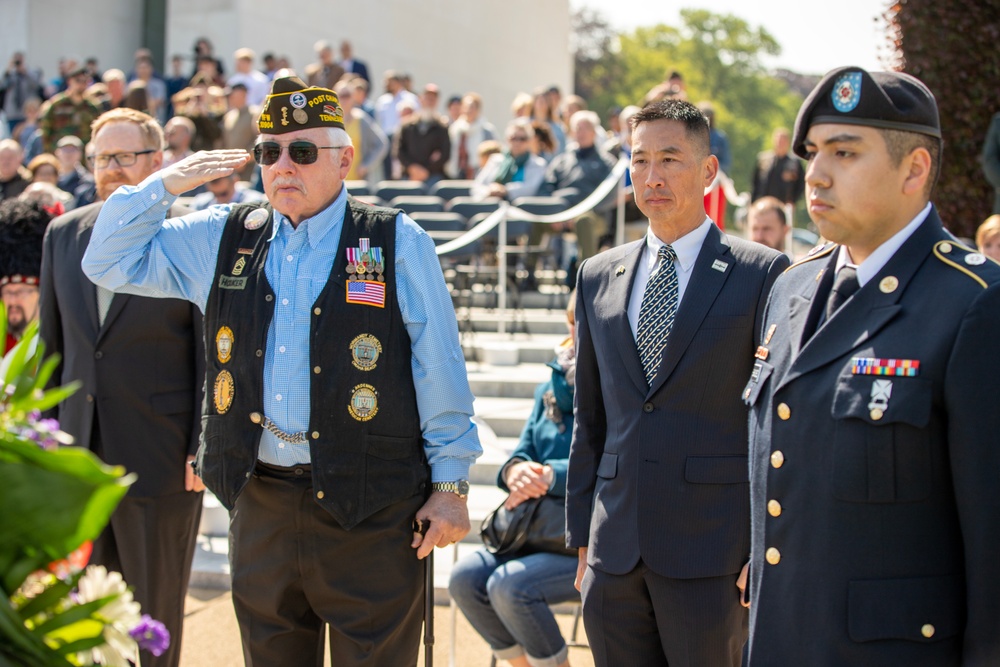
54	500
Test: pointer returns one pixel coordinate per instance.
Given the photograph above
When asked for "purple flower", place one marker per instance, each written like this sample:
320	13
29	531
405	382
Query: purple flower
34	415
48	425
151	635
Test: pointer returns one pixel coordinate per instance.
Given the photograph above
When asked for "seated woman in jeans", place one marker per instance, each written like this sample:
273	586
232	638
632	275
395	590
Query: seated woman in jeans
506	598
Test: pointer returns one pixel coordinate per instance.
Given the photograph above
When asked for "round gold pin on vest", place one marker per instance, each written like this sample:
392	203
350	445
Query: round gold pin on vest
888	284
255	219
223	391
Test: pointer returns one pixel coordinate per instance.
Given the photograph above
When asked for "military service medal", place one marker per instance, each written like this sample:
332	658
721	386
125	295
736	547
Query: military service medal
379	264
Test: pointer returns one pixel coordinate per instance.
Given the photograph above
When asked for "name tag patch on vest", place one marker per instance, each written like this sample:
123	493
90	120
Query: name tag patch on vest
364	402
225	389
365	292
228	282
364	352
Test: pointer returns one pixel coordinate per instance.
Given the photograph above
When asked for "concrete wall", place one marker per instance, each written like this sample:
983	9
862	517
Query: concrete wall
495	48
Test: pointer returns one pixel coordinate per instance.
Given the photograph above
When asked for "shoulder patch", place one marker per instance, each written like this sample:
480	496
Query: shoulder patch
962	259
815	253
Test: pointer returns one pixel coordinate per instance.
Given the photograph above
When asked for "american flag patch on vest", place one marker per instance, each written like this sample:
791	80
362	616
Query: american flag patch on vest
368	292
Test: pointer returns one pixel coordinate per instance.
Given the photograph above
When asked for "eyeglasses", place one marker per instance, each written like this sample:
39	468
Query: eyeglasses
123	159
518	137
299	152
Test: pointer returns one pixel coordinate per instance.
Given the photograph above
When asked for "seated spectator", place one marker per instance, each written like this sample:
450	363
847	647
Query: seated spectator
22	133
575	174
204	104
114	81
326	71
486	150
156	88
507	598
521	106
988	237
206	62
225	190
767	223
179	132
359	97
466	134
14	178
256	83
44	168
136	97
543	143
72	172
454	108
515	173
543	111
69	113
370	143
48	196
422	145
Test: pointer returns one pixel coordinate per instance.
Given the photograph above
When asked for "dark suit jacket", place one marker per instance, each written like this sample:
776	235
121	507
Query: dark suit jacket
886	516
419	139
660	473
142	371
360	68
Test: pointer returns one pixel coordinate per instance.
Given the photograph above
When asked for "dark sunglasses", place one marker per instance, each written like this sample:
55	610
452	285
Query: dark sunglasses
299	152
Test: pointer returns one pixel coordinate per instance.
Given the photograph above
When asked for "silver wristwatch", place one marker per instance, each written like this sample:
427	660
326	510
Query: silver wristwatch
459	487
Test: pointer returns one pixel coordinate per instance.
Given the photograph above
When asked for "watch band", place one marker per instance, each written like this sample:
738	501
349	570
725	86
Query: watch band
459	487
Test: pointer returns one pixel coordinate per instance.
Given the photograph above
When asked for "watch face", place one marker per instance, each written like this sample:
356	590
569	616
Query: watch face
462	486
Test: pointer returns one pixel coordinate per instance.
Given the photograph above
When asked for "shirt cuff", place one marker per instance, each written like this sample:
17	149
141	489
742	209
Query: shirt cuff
450	470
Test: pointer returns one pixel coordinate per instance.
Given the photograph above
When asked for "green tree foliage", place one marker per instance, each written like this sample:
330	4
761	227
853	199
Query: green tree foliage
952	47
720	59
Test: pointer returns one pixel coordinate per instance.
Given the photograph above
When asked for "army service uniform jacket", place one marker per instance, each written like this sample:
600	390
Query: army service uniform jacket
874	464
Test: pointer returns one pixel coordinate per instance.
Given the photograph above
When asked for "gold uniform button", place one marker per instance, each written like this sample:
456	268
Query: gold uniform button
927	630
777	459
888	284
945	248
256	417
784	412
876	414
317	311
773	556
316	370
774	508
320	495
315	435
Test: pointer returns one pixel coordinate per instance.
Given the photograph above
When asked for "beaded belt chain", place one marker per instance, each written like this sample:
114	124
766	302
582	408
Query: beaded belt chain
266	423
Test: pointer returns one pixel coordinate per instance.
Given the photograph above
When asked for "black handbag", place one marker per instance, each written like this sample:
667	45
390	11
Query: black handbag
536	525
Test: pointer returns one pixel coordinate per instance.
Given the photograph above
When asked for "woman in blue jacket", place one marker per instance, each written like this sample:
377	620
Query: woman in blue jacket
506	598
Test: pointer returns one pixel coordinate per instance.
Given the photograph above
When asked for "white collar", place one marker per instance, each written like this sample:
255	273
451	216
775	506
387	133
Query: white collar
869	268
686	247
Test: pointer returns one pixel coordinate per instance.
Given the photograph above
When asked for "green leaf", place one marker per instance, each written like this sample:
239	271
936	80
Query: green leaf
49	598
74	615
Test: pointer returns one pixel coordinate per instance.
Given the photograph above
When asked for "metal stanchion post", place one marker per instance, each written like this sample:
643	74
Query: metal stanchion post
502	274
429	610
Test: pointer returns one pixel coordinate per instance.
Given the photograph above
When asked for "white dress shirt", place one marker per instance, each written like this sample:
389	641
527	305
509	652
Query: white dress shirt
869	268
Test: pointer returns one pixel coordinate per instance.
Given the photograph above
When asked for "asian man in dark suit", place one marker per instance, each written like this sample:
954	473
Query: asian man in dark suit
874	421
141	364
657	495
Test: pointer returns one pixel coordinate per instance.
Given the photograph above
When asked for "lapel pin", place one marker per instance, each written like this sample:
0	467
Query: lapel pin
719	265
975	259
620	270
888	284
770	332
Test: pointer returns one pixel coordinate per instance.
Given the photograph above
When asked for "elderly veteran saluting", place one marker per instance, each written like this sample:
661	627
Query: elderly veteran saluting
338	407
874	457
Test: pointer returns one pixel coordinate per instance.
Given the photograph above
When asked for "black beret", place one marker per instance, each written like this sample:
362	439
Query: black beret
852	96
294	106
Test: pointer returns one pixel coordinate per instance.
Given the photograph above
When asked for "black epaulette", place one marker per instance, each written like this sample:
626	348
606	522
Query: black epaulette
963	259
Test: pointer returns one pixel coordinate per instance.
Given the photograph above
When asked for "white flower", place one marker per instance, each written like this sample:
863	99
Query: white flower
120	615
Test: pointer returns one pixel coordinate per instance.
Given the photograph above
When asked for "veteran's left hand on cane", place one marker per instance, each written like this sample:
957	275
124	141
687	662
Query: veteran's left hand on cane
449	522
200	168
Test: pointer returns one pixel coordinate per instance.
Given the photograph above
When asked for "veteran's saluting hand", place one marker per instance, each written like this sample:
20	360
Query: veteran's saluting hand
200	168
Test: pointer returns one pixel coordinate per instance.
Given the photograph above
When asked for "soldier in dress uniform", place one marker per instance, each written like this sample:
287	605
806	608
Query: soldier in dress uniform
873	435
338	408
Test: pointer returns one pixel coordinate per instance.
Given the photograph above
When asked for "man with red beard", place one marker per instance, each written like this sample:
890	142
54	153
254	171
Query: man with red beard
140	362
22	225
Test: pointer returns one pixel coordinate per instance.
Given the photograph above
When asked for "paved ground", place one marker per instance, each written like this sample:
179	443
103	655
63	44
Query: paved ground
211	637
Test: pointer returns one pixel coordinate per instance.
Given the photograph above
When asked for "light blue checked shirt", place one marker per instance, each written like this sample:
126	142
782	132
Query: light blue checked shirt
134	250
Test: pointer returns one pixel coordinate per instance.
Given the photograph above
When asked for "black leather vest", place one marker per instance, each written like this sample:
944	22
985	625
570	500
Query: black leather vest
364	433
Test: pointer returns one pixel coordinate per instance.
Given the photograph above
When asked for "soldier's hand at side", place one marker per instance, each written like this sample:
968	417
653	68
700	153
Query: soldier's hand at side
191	481
449	517
200	168
741	583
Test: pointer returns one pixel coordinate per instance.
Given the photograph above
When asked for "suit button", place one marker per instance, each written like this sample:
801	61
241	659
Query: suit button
316	370
269	298
773	508
647	407
927	630
317	311
777	459
784	412
315	435
259	353
320	495
773	556
98	354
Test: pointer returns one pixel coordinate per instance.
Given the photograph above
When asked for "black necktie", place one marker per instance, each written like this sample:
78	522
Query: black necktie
845	284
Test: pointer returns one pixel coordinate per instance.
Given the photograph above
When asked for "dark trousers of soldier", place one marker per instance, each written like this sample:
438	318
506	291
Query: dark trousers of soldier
151	542
295	569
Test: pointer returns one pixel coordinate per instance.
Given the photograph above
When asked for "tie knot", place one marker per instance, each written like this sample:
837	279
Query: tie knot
666	254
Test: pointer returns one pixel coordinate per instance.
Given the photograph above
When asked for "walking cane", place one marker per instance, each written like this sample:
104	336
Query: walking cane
421	527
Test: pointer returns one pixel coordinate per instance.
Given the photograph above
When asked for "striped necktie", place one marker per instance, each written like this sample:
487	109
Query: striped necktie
656	315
